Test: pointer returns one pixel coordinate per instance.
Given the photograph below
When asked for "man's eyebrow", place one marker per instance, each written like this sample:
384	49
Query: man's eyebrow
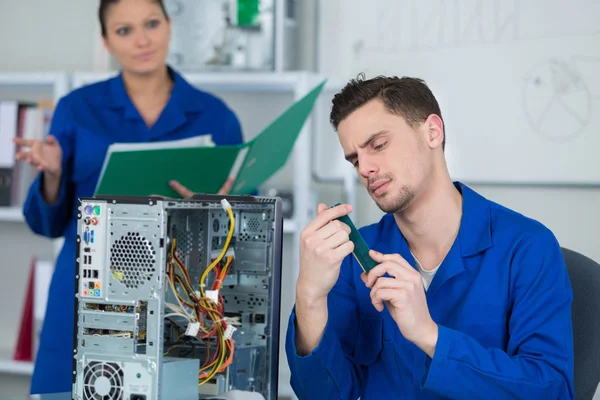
351	156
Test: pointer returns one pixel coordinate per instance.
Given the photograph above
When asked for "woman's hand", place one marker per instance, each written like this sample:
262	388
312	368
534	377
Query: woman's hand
187	193
44	155
226	188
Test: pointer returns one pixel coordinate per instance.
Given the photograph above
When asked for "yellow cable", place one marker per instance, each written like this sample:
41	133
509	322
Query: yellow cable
225	247
208	306
219	363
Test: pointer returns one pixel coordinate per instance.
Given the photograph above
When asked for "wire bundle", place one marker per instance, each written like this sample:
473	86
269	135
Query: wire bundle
202	309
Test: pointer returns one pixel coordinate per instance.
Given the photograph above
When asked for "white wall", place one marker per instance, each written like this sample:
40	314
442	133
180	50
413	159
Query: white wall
47	35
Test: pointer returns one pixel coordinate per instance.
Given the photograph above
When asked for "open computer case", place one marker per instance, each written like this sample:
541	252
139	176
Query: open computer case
177	299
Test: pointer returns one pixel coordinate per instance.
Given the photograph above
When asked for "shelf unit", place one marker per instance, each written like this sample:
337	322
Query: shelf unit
16	367
53	84
11	214
30	87
7	366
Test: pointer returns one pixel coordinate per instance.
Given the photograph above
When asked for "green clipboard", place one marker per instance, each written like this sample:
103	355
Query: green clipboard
146	169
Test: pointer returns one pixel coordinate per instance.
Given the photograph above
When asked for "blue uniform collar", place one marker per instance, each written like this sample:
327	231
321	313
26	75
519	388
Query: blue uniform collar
474	236
183	95
184	99
475	233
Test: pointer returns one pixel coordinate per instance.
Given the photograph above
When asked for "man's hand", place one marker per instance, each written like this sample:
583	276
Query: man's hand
187	193
404	295
324	243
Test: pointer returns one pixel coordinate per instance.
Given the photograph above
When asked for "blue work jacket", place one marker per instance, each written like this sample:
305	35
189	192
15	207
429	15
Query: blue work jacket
86	122
502	301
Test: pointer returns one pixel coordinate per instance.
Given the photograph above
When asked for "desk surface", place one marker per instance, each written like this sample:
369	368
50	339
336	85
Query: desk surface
49	396
233	395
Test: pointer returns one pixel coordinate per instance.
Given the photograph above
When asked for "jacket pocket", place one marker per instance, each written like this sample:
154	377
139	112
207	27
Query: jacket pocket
369	341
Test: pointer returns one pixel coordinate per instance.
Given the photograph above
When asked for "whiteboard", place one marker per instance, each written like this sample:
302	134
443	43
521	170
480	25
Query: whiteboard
518	82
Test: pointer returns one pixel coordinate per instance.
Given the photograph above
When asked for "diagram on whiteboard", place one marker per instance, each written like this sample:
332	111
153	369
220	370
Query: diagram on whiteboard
557	101
517	81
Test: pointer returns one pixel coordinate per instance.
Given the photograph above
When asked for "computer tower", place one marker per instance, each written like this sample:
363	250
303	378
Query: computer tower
177	299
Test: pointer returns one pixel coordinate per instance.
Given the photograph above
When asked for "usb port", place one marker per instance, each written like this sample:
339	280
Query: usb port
90	259
86	249
85	273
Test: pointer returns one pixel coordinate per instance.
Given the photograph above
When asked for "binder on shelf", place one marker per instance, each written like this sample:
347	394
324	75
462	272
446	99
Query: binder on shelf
34	309
24	120
24	347
146	169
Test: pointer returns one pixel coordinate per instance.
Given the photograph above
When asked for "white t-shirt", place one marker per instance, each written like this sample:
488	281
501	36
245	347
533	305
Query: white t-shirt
427	276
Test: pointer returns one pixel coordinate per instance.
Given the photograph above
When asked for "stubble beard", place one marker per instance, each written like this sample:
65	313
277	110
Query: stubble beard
395	203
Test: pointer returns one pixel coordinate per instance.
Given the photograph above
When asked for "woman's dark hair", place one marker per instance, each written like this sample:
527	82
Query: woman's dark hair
106	4
407	97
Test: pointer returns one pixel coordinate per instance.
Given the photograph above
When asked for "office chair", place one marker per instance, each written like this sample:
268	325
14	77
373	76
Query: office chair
585	281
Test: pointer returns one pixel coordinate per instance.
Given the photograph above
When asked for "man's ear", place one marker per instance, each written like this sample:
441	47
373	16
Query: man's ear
435	131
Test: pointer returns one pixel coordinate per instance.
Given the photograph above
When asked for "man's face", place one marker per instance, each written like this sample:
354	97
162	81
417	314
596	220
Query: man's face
391	158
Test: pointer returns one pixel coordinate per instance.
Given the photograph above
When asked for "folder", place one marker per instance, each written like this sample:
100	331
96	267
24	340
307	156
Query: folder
146	169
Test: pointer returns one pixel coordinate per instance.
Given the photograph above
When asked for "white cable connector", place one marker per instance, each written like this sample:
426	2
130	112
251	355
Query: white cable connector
235	321
192	329
229	332
213	295
225	204
216	253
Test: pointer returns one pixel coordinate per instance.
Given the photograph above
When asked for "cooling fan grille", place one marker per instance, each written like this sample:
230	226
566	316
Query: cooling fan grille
102	381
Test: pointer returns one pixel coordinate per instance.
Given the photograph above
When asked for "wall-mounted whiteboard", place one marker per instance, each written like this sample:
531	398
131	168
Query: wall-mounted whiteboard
518	81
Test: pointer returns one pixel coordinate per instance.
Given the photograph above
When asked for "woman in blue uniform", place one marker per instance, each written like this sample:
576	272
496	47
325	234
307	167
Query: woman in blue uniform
148	101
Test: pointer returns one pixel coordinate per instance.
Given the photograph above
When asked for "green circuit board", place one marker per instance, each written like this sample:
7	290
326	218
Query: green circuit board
361	250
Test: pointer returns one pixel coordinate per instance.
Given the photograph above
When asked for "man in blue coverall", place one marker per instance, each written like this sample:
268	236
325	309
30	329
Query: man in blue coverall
469	300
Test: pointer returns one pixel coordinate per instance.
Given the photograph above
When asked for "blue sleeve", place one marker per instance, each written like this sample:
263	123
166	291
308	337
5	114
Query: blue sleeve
538	363
232	130
329	372
46	219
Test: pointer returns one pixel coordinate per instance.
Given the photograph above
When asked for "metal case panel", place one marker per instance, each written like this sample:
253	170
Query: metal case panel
130	342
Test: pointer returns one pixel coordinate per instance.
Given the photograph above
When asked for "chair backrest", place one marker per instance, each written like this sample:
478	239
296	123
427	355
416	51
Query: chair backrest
585	281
